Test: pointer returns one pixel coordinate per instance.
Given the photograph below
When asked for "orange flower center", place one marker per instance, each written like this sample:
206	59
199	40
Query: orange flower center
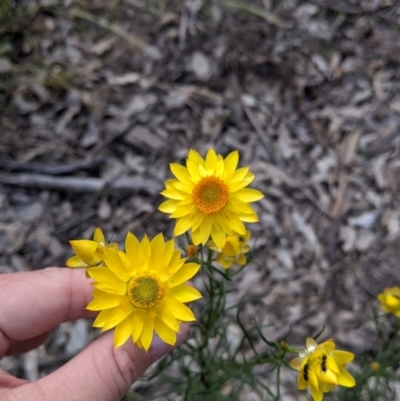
145	290
210	195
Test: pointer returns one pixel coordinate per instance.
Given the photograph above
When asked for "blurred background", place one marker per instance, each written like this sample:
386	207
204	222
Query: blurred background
98	97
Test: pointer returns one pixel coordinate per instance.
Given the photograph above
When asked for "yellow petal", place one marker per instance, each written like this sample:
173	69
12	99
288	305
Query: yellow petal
181	173
345	379
226	262
196	237
164	332
193	169
249	218
169	251
120	313
231	162
157	245
98	236
183	211
218	236
231	247
168	206
205	230
146	337
166	316
311	344
185	273
105	301
179	310
138	317
238	226
241	260
114	263
342	357
75	261
211	160
122	332
107	281
301	382
103	316
248	195
316	394
195	157
296	363
234	186
182	225
173	194
144	253
184	293
312	378
171	269
329	345
86	250
132	247
239	175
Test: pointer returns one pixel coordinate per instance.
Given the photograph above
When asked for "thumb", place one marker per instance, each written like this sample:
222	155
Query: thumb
101	372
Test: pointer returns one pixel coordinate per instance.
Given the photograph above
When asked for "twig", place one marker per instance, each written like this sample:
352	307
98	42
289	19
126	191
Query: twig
150	51
271	18
81	184
57	169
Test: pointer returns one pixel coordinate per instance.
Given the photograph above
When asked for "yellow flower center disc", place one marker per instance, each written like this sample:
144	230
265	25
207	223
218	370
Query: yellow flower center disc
210	195
145	291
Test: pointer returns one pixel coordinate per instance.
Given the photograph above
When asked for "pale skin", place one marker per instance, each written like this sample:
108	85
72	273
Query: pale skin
32	304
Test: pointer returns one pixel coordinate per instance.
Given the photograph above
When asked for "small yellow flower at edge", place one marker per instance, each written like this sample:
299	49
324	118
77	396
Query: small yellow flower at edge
321	367
233	251
390	300
143	290
210	198
89	252
191	251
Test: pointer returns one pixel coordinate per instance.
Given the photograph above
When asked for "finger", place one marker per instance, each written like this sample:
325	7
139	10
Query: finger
20	347
35	302
100	372
9	381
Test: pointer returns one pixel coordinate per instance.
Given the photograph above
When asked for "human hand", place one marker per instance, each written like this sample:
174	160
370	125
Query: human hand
33	303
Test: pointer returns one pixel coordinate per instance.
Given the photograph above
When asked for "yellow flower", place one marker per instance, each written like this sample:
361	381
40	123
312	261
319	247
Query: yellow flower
89	253
390	300
233	251
374	366
321	367
209	197
143	290
191	251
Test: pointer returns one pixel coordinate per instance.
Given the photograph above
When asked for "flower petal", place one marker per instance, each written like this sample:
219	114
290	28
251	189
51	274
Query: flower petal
248	195
106	280
164	332
184	293
345	379
114	263
105	301
98	236
185	273
122	332
179	310
146	336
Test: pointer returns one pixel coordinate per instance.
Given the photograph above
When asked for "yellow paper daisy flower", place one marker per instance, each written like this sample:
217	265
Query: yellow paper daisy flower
234	250
89	252
390	300
321	367
142	291
210	198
